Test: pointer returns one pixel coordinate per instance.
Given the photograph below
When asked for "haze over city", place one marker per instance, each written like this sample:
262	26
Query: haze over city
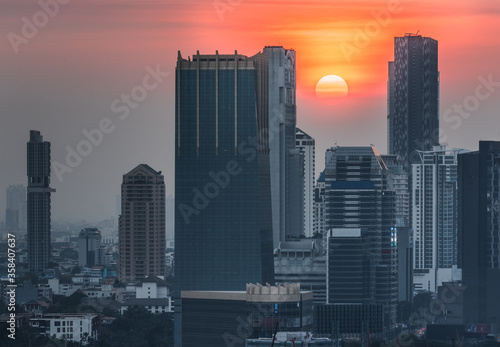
66	76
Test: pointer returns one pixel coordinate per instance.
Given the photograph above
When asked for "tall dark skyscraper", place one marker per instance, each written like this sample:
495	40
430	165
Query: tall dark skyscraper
223	231
360	218
413	97
39	192
141	235
479	232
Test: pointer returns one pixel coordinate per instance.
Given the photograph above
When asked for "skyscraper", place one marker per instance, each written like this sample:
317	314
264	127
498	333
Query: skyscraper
434	214
223	225
15	212
359	203
413	97
479	232
286	170
306	145
38	207
141	234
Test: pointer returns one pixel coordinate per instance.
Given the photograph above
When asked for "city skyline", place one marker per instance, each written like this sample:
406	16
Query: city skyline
70	83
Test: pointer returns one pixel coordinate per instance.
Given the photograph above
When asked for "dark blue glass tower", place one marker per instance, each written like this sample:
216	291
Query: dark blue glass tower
223	226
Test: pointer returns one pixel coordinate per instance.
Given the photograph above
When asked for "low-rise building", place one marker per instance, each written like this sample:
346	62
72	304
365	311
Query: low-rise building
78	327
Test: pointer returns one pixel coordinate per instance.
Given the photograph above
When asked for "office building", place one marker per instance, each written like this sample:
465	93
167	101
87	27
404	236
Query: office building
306	145
360	217
89	247
217	318
223	221
413	97
398	182
319	208
434	214
479	230
15	212
39	192
302	262
141	234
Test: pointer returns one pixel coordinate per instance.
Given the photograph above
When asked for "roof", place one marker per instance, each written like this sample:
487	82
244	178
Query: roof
152	279
146	302
143	167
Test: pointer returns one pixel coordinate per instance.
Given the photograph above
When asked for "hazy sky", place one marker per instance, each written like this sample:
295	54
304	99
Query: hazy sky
65	67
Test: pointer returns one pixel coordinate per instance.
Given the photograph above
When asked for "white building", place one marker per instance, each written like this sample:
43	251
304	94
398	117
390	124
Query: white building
68	326
306	145
434	218
152	293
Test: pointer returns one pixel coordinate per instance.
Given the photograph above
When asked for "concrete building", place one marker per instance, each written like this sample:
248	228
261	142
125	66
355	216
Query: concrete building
435	220
479	230
319	208
297	339
89	247
16	205
413	97
360	205
306	145
141	234
211	318
302	262
285	162
77	327
38	206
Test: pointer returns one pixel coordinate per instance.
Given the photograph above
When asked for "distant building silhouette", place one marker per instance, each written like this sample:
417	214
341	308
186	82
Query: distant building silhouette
413	97
15	212
479	230
89	247
141	235
39	191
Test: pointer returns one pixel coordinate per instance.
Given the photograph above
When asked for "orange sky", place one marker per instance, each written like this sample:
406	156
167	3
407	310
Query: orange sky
65	78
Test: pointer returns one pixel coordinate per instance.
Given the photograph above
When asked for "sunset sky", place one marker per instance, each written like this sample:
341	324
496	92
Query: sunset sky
65	76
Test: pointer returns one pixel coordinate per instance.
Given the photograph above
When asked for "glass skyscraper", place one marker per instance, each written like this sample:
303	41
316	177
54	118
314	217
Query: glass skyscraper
413	97
39	192
223	225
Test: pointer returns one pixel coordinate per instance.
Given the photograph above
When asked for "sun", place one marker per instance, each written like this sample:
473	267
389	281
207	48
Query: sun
331	86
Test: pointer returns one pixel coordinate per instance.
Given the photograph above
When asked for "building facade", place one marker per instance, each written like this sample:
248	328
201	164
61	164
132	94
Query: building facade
213	318
141	234
413	97
39	194
360	205
223	233
435	220
306	145
479	232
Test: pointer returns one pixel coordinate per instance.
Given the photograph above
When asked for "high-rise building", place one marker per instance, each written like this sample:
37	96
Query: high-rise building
141	234
359	201
15	212
398	182
319	207
413	97
285	161
434	215
39	191
479	232
223	215
306	145
89	247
